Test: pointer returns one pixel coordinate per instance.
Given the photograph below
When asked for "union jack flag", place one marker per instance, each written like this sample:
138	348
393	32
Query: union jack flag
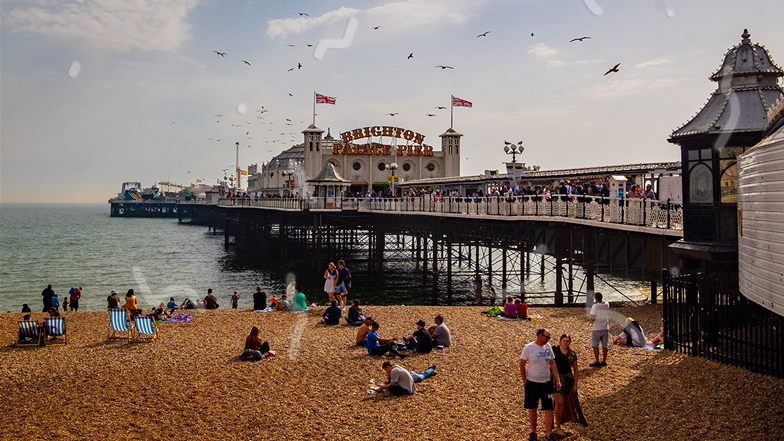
459	102
323	99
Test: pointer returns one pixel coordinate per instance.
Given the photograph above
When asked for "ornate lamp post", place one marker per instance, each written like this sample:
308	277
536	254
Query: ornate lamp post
392	167
514	150
287	175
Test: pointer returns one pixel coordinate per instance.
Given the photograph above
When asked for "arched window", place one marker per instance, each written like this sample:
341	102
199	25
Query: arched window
701	184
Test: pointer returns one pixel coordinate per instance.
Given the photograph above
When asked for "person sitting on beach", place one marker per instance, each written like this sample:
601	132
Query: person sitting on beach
113	300
255	348
160	314
130	304
284	304
300	304
362	332
259	299
420	340
210	302
440	333
632	334
274	303
355	317
522	309
332	314
187	304
659	339
400	381
26	340
510	309
380	346
172	305
54	312
26	308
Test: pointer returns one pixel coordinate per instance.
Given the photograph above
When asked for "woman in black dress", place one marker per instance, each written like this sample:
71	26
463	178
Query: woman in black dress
566	362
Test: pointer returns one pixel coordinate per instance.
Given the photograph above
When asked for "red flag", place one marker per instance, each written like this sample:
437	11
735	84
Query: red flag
323	99
458	102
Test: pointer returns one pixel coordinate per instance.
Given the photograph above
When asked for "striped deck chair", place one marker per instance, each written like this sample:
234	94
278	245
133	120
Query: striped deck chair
29	334
119	328
55	327
145	329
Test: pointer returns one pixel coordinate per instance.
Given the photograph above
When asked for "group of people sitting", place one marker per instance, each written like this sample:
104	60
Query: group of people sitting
515	309
422	340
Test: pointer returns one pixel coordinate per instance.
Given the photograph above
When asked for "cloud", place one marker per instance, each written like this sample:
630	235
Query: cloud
653	63
627	87
113	24
584	62
541	50
403	14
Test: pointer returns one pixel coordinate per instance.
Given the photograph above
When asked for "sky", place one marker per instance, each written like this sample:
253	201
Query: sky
94	93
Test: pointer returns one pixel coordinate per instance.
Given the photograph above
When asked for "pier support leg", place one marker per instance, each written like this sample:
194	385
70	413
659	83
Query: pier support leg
558	282
435	271
449	272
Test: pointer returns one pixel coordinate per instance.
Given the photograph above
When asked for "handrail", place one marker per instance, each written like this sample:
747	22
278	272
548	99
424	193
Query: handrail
635	211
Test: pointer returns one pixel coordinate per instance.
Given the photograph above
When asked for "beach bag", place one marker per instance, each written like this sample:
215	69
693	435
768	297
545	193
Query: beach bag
495	311
55	302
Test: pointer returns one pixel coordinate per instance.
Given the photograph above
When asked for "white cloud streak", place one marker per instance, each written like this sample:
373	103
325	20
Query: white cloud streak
119	25
628	87
653	63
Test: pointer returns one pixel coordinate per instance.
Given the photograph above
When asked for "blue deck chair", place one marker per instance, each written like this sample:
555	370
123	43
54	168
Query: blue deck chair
145	329
119	328
29	334
55	327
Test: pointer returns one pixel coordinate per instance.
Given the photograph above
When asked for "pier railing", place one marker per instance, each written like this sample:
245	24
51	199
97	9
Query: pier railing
628	211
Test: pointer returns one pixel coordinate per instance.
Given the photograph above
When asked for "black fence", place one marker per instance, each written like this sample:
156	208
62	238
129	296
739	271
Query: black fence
708	317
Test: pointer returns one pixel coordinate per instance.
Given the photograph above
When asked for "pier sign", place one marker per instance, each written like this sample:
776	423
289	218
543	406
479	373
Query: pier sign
396	132
348	148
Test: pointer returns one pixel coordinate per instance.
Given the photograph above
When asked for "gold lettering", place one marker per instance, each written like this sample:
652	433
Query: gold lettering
418	151
376	150
401	149
346	136
386	131
410	150
367	132
428	150
398	131
386	149
409	135
375	131
419	138
347	150
357	133
336	148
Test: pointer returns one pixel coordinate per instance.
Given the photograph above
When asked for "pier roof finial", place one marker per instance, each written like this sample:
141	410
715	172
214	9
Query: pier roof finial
745	36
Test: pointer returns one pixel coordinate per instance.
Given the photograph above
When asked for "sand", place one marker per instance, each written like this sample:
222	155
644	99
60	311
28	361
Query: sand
190	384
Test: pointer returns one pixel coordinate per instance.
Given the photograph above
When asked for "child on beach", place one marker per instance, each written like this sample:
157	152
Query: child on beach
234	299
65	304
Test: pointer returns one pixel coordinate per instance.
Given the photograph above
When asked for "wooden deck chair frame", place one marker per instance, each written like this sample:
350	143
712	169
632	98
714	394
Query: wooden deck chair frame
51	326
144	329
29	329
119	328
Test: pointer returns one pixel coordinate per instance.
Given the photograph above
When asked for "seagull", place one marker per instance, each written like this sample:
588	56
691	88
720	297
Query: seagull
532	34
299	66
376	27
288	120
290	94
614	69
578	39
445	67
302	13
290	45
392	114
222	54
245	62
309	45
290	70
247	133
430	114
218	115
440	107
411	55
483	34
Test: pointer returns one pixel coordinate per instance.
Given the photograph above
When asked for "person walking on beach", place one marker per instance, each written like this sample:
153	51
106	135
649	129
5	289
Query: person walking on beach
344	279
234	299
113	300
259	299
76	294
537	363
478	289
569	372
600	331
380	346
331	276
210	302
47	294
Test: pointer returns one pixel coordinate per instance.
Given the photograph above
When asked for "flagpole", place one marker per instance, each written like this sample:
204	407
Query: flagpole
314	107
452	112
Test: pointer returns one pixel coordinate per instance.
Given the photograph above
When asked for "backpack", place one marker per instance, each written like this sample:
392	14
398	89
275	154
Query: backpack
55	302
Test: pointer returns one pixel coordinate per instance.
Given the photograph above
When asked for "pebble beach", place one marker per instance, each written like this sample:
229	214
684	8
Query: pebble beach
190	383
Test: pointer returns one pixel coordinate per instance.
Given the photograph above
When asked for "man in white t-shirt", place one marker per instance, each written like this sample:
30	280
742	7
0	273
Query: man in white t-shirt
399	380
600	317
537	363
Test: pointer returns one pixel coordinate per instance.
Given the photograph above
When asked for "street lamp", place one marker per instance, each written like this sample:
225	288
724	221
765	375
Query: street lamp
287	175
391	167
514	150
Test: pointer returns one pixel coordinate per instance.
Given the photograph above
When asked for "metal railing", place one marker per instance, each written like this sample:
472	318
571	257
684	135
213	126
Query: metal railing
627	211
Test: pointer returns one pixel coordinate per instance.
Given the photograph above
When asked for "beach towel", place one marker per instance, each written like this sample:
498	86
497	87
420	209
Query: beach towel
181	318
267	309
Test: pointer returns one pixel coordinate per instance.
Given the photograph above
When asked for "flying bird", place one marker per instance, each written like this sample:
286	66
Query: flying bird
430	114
290	94
290	70
302	13
445	67
288	120
411	55
483	34
310	45
532	34
222	54
245	62
392	114
299	66
376	27
440	107
614	69
579	39
290	45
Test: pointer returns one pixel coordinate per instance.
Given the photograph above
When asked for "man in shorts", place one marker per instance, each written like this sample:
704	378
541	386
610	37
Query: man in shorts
537	363
600	317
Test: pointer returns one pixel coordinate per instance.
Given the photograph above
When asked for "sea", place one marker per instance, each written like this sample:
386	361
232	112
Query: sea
80	245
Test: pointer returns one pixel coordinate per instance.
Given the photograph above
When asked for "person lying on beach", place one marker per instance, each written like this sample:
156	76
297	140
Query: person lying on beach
362	332
420	340
659	339
332	314
355	317
400	381
379	346
439	333
255	348
187	304
160	314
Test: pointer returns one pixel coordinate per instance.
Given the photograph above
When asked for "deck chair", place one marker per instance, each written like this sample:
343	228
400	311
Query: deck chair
29	334
145	329
119	328
55	327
